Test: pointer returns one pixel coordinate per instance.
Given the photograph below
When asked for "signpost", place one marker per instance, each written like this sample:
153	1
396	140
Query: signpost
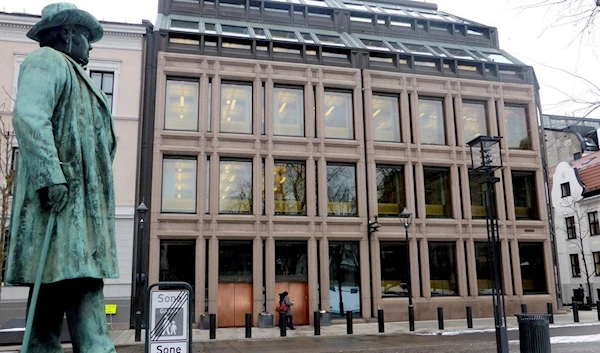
169	319
110	310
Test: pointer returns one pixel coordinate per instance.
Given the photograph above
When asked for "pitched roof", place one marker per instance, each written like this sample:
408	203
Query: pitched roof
588	169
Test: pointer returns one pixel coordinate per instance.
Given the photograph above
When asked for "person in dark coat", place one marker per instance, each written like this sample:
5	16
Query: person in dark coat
284	298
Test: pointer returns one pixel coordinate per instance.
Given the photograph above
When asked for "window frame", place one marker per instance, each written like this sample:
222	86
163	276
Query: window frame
304	202
101	88
389	244
575	268
596	258
354	167
197	110
402	171
162	191
565	189
454	269
486	127
571	228
351	126
442	119
397	118
237	83
535	197
594	223
448	172
302	107
527	125
251	201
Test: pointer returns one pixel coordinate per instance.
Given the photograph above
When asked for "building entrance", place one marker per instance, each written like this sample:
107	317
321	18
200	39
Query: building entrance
235	282
291	275
344	278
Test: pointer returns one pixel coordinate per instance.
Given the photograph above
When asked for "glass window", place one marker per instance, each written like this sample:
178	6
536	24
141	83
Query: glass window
418	49
339	122
525	194
178	261
188	26
341	190
442	269
283	35
474	120
386	118
288	111
438	195
391	198
181	108
431	118
482	266
290	188
394	274
236	108
571	230
375	44
517	128
235	30
565	189
235	261
533	269
478	210
330	40
597	262
291	263
575	270
179	185
459	53
344	278
105	82
235	188
594	225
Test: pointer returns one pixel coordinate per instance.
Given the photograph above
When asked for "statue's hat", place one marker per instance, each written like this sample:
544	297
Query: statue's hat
62	14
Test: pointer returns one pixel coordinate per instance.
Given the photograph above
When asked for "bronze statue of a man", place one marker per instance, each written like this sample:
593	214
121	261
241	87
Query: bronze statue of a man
66	148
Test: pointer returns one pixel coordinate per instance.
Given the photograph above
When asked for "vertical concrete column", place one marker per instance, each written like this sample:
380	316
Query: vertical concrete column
269	100
213	275
216	104
375	272
516	265
324	258
472	268
270	275
409	189
154	256
502	128
419	181
311	188
309	107
492	116
406	102
200	277
203	114
550	270
414	266
257	278
506	274
500	201
510	199
425	268
313	278
454	178
532	123
257	180
453	121
461	268
365	294
466	191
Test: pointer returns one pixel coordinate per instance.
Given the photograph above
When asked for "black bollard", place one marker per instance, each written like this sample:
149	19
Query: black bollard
441	318
380	321
317	320
349	322
550	312
575	312
212	323
598	309
282	325
469	317
248	325
411	318
524	308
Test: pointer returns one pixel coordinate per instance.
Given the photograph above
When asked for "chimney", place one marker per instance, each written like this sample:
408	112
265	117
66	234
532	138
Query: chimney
577	155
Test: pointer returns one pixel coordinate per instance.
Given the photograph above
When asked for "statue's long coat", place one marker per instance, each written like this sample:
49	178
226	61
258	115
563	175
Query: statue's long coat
66	136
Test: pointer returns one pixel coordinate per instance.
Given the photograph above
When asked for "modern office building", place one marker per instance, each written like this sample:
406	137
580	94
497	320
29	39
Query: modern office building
277	133
116	67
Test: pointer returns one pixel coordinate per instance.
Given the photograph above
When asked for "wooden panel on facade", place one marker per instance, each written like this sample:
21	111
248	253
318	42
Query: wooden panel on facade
298	293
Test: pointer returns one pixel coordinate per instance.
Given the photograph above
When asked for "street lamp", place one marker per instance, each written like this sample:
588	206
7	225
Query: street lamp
140	277
406	218
486	158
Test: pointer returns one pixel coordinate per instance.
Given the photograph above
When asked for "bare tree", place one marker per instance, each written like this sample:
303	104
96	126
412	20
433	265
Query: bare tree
7	177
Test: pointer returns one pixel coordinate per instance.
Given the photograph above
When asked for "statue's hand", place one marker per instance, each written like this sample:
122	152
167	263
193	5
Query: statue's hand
55	197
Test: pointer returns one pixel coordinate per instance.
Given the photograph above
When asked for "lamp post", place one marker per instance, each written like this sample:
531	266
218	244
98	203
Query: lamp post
486	158
140	277
406	218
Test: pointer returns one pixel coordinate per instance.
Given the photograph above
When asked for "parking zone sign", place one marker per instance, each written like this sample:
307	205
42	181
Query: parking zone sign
169	320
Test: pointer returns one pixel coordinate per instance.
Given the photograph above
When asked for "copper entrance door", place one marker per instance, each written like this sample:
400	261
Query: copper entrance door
235	283
298	293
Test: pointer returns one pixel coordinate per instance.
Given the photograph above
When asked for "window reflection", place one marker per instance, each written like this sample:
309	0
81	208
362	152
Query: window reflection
474	120
533	272
438	195
431	118
344	278
478	210
236	108
386	118
181	106
517	128
525	194
442	269
179	185
482	266
390	190
235	261
341	190
289	111
235	188
290	188
178	261
291	261
394	274
338	115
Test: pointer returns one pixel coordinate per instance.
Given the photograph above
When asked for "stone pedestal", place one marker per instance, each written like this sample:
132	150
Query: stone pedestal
325	319
204	322
266	320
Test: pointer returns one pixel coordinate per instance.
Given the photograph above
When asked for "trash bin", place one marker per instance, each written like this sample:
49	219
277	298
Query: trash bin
534	333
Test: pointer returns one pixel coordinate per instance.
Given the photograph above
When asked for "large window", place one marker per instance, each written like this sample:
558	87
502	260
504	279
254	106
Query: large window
575	270
339	121
235	188
525	195
431	118
178	261
390	190
594	226
596	256
288	111
344	278
533	272
291	263
442	268
341	190
571	229
179	185
236	108
290	188
394	274
517	128
482	266
105	82
478	210
474	120
386	118
235	261
181	107
438	195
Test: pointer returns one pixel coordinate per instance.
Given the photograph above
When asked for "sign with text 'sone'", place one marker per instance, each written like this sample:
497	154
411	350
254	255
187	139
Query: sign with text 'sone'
169	321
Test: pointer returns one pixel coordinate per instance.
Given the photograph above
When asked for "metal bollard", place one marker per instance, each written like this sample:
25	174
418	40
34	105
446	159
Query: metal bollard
248	325
550	312
212	326
440	318
411	318
317	321
524	308
282	325
598	309
575	312
534	333
469	317
380	321
349	322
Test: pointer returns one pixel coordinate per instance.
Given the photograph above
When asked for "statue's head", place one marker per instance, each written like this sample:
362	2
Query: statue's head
67	29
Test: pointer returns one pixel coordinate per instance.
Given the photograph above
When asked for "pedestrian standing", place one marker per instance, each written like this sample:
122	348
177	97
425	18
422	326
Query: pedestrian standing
285	299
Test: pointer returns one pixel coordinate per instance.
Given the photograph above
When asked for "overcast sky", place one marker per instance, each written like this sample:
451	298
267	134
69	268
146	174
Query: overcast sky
531	35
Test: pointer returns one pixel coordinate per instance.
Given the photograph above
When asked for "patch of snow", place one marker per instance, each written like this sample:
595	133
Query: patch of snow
575	339
12	329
